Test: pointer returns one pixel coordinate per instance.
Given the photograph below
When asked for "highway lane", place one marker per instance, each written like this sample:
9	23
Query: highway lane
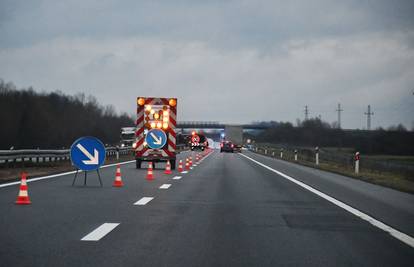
228	211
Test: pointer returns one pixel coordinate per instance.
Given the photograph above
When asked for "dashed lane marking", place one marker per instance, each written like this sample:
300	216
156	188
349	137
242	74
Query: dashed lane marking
143	201
165	186
177	177
100	232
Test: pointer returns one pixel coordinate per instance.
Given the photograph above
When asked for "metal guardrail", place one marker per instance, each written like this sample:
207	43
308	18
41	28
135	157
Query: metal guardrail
48	155
11	157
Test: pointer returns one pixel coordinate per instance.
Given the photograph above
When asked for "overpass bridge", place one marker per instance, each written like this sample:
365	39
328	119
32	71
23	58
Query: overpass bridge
216	125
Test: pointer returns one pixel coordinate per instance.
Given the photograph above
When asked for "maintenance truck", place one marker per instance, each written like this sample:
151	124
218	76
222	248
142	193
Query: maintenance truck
155	136
234	134
127	136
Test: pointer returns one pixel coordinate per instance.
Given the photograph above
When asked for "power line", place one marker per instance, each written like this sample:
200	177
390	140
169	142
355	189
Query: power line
306	113
369	114
339	110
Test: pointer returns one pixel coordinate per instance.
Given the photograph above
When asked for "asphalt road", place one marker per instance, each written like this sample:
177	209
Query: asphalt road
227	211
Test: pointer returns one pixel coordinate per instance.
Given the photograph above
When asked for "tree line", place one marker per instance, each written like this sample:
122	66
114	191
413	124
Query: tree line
396	140
54	120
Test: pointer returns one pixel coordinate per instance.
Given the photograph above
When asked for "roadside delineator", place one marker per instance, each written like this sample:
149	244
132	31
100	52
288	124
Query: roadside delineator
149	173
180	166
23	197
168	168
118	179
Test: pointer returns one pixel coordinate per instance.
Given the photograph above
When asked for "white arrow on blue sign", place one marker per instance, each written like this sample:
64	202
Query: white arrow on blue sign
87	153
156	138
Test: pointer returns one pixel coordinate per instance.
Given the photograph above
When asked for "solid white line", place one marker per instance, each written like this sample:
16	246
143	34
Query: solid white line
60	174
143	201
177	177
165	186
395	233
100	232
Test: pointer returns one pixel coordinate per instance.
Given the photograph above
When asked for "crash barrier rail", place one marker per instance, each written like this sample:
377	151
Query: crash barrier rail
11	158
348	161
14	158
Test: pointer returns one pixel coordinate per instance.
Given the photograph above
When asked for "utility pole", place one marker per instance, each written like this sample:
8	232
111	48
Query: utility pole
306	113
339	110
369	114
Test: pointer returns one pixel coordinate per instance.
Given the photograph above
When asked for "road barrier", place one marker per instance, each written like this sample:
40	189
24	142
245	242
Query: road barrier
352	162
12	158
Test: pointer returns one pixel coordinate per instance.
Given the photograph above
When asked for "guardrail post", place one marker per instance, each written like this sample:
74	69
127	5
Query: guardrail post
357	158
317	155
296	155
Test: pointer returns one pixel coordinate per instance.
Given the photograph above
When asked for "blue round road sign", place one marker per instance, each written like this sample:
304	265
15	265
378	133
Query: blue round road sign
87	153
156	138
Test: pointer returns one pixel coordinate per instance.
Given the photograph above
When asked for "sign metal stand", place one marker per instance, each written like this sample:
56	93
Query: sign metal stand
86	175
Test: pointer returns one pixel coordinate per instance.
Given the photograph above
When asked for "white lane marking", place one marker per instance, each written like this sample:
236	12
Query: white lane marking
194	165
143	201
100	232
165	186
184	172
191	168
60	174
177	177
395	233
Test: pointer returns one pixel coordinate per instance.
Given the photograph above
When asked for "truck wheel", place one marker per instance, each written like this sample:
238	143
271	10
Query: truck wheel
173	164
138	164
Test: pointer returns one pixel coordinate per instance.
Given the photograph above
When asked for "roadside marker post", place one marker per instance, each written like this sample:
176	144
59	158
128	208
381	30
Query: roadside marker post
357	158
317	155
281	153
296	155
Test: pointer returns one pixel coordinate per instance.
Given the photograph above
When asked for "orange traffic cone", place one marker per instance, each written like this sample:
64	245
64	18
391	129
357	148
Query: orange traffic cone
23	197
168	168
118	180
180	166
187	164
149	173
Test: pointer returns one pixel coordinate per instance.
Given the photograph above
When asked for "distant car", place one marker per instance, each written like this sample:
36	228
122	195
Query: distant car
227	146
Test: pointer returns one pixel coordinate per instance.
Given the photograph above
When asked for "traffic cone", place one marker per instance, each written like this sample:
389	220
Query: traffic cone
180	166
118	180
168	168
149	173
190	161
187	164
23	197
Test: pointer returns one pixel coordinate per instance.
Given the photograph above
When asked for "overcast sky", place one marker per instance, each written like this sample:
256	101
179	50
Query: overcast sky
228	61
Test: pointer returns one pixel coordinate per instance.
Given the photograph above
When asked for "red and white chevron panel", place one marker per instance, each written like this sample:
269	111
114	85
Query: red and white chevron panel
169	150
